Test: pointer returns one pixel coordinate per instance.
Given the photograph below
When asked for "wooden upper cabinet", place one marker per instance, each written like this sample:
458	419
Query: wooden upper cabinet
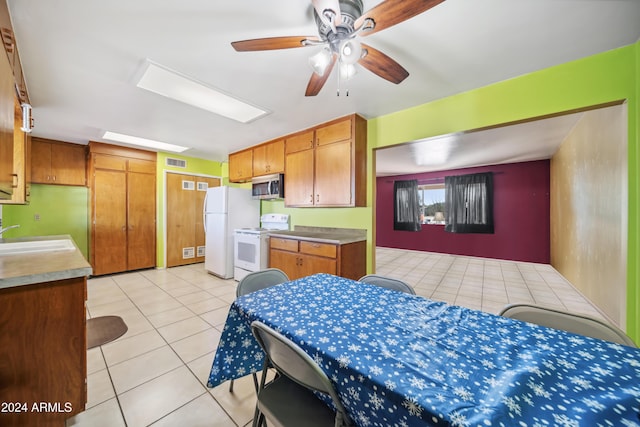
21	160
298	181
300	141
334	173
241	166
56	162
8	174
268	158
334	132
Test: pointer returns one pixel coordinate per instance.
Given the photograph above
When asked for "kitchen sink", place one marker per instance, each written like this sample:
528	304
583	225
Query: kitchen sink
34	246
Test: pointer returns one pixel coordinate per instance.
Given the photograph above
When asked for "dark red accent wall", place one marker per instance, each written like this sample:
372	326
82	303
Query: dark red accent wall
521	216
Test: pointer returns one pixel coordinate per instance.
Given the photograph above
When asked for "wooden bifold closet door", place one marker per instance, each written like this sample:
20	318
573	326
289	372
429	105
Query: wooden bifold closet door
185	230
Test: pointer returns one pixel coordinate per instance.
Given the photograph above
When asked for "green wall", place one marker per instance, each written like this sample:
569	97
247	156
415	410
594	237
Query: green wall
61	209
599	79
195	166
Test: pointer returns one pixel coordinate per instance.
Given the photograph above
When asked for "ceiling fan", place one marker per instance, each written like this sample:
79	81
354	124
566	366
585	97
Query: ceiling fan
340	24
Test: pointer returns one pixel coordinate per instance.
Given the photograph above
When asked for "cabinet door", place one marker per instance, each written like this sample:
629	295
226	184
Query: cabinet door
21	161
109	243
299	142
241	166
309	264
268	158
40	162
340	131
141	220
333	184
285	261
298	183
68	164
7	91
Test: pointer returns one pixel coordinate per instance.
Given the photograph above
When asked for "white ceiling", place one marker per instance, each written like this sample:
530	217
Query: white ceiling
80	59
532	140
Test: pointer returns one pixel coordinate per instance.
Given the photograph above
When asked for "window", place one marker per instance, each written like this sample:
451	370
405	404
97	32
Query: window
469	203
432	205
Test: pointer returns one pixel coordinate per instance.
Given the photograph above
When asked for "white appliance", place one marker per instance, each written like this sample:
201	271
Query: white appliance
225	209
251	249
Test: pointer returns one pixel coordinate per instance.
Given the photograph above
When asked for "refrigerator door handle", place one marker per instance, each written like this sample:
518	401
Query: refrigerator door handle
204	212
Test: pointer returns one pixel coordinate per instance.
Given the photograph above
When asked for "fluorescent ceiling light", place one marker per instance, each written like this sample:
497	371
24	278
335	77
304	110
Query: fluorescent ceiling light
149	143
171	84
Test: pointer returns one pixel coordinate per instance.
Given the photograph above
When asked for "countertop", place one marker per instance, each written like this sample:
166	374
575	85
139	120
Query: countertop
40	267
334	236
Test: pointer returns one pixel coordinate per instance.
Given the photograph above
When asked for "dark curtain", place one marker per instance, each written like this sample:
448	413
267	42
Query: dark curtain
469	203
406	213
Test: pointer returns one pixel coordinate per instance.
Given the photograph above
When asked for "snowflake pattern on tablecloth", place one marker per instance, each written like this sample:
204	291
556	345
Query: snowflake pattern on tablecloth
403	360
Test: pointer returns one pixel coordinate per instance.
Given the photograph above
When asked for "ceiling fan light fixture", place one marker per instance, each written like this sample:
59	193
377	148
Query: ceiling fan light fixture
350	51
320	61
347	71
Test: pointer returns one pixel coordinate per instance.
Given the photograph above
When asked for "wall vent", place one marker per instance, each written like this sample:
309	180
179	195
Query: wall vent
203	186
200	251
188	253
177	163
188	185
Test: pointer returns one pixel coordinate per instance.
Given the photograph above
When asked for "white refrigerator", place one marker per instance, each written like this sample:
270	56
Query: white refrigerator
225	209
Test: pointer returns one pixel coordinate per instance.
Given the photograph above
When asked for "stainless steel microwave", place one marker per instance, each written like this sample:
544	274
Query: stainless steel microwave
268	187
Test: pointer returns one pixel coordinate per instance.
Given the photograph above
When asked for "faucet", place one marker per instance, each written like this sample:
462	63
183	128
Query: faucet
2	230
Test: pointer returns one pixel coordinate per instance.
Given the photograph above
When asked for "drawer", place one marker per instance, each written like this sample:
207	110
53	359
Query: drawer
320	249
283	244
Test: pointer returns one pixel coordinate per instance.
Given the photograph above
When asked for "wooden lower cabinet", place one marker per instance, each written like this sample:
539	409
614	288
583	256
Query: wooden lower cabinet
43	361
300	258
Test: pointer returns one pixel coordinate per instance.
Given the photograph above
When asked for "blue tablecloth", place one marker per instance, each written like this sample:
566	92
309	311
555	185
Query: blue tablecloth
403	360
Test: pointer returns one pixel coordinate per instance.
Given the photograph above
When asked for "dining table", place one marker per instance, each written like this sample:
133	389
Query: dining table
398	359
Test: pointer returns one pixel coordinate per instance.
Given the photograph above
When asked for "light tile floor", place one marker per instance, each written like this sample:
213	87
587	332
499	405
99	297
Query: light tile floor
156	373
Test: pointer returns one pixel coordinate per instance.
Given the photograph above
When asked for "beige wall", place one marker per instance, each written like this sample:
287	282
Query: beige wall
589	209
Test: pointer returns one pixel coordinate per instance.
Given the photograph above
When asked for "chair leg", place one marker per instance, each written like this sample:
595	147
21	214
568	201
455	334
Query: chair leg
255	382
231	386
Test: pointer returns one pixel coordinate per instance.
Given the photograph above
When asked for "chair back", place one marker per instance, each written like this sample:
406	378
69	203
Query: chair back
387	282
262	279
289	359
570	322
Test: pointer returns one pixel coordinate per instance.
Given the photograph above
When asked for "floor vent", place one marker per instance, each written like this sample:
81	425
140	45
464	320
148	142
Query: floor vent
177	163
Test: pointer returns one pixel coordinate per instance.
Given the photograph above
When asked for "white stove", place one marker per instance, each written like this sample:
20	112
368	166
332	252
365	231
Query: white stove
251	246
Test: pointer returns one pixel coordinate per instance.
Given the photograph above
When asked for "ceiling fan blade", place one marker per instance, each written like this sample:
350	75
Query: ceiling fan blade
382	65
392	12
333	5
272	43
317	81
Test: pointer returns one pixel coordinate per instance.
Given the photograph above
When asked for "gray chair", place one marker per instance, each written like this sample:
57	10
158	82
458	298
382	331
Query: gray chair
289	400
387	282
256	281
570	322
